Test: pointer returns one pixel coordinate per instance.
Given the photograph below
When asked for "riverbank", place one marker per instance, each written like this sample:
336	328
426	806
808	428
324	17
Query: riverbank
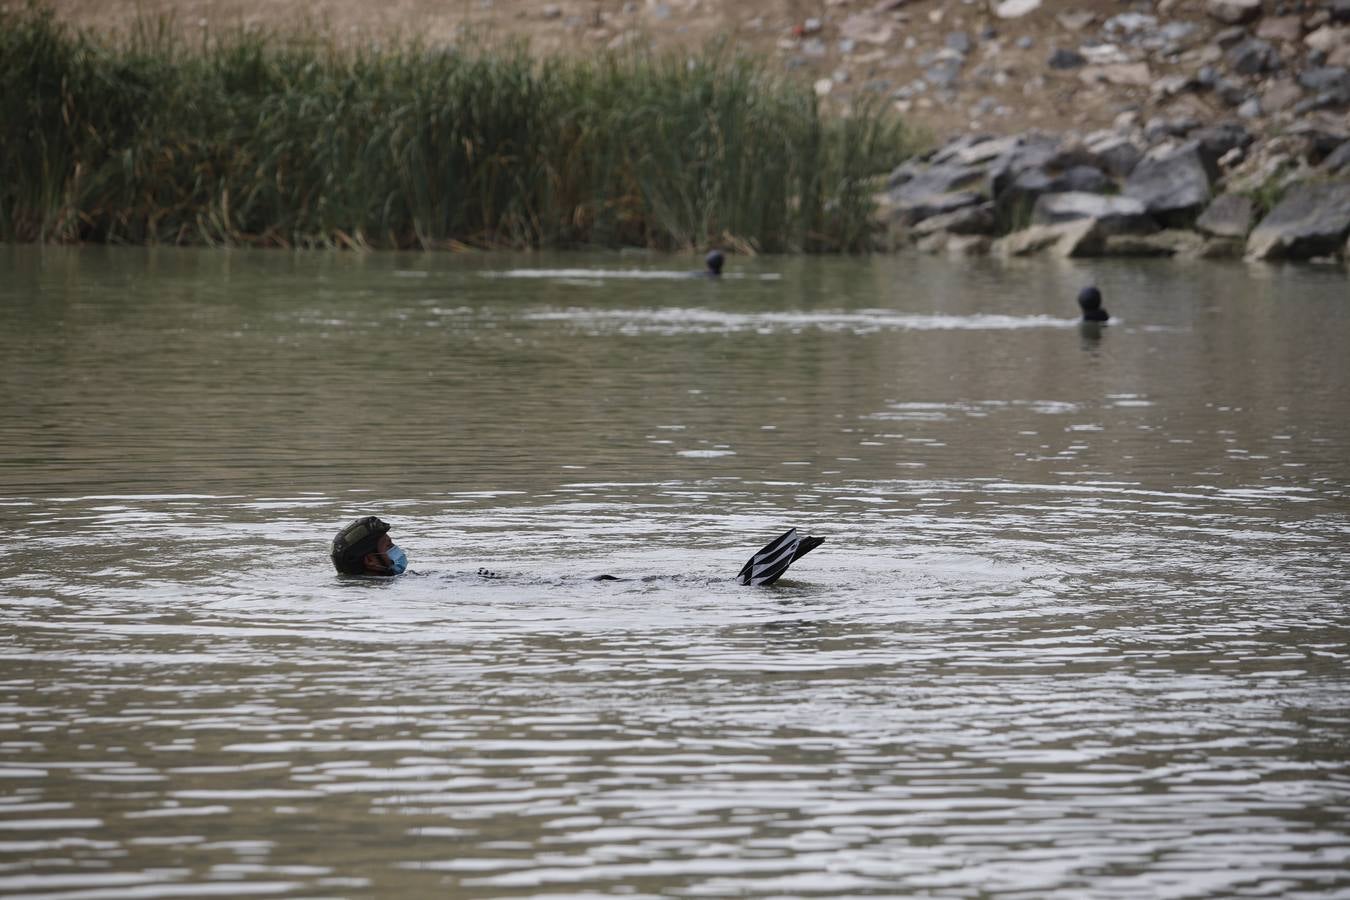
264	141
1263	88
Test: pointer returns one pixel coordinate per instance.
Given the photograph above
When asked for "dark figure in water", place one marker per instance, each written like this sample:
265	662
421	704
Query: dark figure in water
714	261
364	547
1090	301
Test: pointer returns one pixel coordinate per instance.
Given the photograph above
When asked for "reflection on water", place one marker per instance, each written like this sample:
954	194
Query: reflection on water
1079	627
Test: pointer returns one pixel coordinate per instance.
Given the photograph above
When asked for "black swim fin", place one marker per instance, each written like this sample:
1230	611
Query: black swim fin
769	564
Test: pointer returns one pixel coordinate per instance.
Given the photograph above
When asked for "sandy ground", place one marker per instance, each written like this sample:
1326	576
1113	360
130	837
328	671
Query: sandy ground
846	48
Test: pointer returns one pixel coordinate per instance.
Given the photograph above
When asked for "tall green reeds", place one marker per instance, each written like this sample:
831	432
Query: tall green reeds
263	141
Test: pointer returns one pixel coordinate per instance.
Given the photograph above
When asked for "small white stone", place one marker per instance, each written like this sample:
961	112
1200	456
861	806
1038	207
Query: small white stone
1015	9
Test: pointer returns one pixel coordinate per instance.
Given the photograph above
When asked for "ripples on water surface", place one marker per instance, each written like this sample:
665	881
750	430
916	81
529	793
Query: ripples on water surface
1079	627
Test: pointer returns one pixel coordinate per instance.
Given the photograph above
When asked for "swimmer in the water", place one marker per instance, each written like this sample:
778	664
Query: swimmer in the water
364	547
713	261
1090	301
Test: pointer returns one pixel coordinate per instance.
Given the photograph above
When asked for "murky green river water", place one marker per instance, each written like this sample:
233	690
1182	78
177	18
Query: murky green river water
1079	628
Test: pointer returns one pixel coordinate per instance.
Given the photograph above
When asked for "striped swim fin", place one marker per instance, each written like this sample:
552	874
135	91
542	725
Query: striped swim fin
769	564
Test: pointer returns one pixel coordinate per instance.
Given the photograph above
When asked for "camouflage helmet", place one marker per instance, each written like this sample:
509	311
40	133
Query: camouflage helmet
354	541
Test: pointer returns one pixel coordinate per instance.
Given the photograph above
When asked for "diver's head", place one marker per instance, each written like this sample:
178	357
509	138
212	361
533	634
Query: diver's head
1090	300
365	548
714	261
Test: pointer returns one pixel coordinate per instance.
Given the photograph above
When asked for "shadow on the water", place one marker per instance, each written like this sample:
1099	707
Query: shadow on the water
1090	334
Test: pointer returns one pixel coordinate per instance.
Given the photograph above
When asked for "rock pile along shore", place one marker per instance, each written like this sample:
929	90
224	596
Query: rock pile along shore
1269	180
1104	194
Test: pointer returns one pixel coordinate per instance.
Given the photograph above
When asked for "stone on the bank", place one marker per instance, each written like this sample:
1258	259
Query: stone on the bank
1028	151
1280	93
973	219
1328	38
982	150
1077	20
932	243
1318	140
906	171
944	72
866	28
1329	79
1217	140
949	151
1233	12
1281	28
1067	239
916	210
1221	248
1173	185
1252	57
1015	9
1338	160
1312	220
1231	91
1066	59
969	245
936	179
1173	242
1014	203
1157	128
1114	215
1120	74
1117	153
1229	216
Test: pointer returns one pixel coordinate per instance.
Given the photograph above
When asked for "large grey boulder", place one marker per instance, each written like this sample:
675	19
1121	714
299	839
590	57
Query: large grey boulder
974	219
936	179
1018	200
929	191
1313	219
978	151
1087	179
1067	239
926	207
1174	185
1229	216
1117	153
1114	215
1029	151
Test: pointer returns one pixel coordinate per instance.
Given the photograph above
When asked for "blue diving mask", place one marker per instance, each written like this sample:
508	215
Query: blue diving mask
398	560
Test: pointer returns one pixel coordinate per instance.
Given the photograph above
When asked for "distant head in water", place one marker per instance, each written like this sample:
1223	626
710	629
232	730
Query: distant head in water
364	547
714	262
1090	301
